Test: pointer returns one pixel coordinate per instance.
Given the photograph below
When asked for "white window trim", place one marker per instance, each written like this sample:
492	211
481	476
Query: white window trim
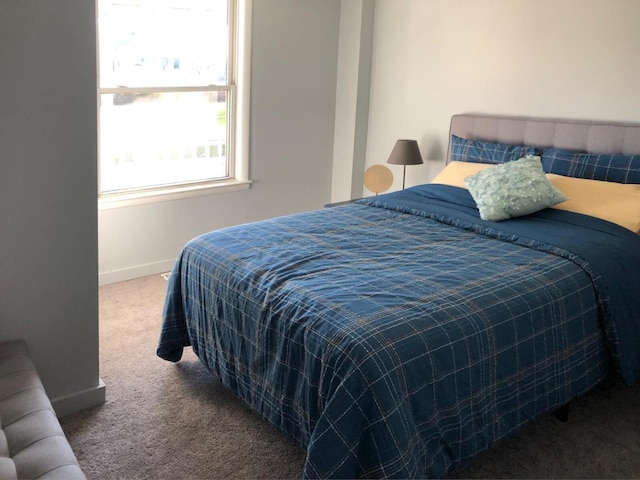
240	180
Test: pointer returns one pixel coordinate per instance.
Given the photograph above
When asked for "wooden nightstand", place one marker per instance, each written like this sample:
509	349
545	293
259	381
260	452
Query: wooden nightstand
337	204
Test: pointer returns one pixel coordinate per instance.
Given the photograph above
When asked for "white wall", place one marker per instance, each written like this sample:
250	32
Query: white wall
48	220
352	98
293	85
559	58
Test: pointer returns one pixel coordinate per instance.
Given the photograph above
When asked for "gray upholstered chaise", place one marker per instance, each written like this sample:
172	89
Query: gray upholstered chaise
32	443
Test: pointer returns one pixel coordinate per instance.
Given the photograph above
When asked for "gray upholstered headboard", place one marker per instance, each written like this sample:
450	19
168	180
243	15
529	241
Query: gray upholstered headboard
581	135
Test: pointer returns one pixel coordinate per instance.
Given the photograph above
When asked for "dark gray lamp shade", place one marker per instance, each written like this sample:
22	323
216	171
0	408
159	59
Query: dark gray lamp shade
405	152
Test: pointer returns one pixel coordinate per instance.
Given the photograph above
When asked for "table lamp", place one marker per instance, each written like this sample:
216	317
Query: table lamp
405	152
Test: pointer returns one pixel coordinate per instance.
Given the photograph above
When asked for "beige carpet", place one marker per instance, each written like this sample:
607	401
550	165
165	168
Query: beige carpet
171	421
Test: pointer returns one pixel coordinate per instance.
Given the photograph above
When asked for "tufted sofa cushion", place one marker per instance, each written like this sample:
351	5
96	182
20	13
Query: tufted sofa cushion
32	443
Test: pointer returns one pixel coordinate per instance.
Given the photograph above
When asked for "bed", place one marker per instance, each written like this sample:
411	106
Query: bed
401	335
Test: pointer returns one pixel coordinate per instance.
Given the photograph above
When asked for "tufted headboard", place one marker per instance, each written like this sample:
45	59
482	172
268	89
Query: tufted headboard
580	135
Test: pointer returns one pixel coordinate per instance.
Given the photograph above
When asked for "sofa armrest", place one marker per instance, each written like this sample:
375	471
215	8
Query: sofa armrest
32	443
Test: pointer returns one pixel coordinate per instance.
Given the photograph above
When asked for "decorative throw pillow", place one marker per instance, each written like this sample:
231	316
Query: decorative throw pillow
513	189
480	151
605	167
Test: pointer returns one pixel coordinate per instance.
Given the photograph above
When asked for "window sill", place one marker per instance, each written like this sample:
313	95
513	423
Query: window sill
117	200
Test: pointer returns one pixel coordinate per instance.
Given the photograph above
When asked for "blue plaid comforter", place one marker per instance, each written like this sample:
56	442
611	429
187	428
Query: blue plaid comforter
401	335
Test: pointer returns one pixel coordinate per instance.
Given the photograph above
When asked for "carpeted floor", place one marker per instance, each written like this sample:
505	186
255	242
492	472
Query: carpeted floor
173	421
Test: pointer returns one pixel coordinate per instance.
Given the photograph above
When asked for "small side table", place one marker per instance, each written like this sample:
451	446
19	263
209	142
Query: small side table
337	204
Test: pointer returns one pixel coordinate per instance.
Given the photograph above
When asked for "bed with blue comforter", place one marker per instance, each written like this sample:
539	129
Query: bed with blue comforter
401	335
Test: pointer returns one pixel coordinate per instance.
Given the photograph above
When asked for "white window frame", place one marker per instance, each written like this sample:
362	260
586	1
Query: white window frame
238	130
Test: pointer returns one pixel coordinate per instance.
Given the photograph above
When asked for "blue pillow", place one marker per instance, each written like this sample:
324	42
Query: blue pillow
479	151
605	167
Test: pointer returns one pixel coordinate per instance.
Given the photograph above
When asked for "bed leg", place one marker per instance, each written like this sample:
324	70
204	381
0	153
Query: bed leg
562	413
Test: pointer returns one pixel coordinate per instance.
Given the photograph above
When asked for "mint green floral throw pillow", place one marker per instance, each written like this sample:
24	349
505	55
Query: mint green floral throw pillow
512	189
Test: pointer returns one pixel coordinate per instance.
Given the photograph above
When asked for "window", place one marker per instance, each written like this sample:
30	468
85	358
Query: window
171	105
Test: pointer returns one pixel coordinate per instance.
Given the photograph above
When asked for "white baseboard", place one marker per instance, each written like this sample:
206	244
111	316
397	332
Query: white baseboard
79	400
138	271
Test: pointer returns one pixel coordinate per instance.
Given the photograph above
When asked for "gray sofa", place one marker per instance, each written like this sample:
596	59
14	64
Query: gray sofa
32	443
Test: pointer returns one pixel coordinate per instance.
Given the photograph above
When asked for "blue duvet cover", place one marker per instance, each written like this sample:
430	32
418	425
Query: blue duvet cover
401	335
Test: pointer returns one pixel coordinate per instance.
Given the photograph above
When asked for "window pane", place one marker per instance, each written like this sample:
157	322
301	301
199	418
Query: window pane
163	43
156	139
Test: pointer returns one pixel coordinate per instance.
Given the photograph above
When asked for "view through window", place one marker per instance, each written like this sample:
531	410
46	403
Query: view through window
167	92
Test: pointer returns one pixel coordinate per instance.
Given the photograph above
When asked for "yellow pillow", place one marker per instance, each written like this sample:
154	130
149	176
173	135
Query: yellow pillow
615	202
455	173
